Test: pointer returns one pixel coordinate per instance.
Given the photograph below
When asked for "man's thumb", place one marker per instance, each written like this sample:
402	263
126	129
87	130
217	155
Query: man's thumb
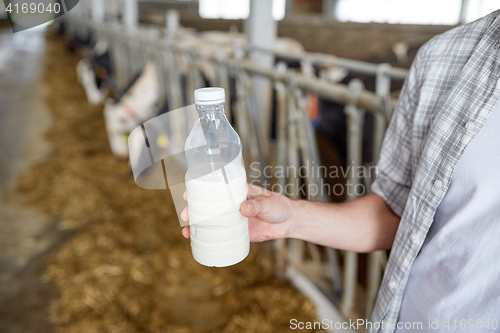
251	208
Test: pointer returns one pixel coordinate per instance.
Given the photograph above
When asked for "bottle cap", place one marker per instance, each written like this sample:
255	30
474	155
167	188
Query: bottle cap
209	96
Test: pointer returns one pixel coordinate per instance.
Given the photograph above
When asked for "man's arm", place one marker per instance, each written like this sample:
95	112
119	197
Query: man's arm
366	224
362	225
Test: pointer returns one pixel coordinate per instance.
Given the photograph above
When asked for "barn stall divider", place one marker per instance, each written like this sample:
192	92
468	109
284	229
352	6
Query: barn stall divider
184	67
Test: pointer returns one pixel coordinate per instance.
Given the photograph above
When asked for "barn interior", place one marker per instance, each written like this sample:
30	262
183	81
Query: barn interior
90	243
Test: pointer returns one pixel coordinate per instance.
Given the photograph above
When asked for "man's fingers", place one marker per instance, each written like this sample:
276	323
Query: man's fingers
254	190
186	232
185	214
185	195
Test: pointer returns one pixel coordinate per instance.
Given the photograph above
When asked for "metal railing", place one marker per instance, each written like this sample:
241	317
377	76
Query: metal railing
295	142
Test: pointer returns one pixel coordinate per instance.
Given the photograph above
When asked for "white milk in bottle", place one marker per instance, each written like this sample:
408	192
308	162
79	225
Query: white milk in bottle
215	185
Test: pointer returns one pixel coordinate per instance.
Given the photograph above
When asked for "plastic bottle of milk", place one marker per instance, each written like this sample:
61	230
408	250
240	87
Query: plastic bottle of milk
215	185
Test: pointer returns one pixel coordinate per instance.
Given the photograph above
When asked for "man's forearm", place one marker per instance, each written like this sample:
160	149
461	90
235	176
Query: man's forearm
362	225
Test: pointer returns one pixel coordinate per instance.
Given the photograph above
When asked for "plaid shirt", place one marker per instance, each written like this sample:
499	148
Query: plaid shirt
448	94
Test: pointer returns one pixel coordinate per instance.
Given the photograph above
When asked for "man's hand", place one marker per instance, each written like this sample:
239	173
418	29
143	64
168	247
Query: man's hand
362	225
268	213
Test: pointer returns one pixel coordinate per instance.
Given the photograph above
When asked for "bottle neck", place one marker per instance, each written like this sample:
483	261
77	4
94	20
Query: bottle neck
213	111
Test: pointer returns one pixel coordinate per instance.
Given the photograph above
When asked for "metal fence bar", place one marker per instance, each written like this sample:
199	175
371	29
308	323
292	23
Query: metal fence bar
328	60
355	118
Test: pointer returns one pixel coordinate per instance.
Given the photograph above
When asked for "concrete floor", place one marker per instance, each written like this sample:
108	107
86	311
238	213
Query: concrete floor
27	237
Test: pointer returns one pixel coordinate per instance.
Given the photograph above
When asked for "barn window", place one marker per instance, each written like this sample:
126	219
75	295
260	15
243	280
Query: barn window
413	11
478	8
235	9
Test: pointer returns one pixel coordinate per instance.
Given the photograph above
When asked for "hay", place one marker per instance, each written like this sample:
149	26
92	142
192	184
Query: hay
128	269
